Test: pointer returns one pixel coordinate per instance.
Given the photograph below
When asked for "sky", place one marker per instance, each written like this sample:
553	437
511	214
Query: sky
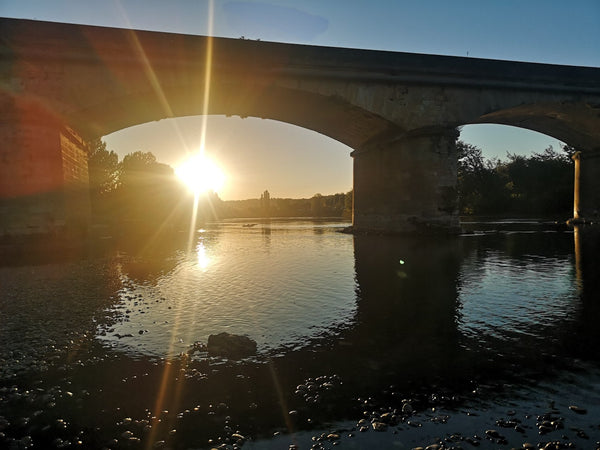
290	161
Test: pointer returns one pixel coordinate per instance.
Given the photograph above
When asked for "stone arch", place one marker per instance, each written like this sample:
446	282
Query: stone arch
331	117
569	122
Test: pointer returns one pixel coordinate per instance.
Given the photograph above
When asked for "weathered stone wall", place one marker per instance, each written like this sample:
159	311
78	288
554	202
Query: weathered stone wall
74	156
43	174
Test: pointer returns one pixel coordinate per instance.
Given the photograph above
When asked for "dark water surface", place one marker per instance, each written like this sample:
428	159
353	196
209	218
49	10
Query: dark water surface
481	340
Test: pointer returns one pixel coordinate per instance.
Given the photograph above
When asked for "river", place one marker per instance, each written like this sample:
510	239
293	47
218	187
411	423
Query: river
487	339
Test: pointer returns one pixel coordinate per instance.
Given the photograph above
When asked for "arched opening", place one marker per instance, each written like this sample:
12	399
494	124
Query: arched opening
256	154
271	169
497	140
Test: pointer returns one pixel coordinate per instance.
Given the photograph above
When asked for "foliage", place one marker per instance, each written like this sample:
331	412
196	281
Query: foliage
103	168
541	184
140	190
140	196
147	188
103	165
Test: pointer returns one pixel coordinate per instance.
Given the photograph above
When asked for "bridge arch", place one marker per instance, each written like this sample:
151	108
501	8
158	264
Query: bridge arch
334	118
572	123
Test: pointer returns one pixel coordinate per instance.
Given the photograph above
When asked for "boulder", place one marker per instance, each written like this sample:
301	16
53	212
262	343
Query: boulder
230	345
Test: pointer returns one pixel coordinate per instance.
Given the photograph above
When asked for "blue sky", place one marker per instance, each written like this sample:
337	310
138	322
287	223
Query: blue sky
294	162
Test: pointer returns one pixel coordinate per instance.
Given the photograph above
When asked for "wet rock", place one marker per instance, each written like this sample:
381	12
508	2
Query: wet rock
512	423
230	345
577	409
379	426
582	434
121	336
474	442
238	437
493	434
386	417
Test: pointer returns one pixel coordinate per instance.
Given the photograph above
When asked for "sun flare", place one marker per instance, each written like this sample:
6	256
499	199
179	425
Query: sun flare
201	174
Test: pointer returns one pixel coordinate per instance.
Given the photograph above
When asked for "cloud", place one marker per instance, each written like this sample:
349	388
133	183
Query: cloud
272	22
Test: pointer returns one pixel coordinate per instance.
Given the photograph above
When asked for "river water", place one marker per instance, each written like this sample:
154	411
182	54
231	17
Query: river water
487	339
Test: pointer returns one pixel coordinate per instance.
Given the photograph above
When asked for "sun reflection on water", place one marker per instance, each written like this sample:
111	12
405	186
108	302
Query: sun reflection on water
202	257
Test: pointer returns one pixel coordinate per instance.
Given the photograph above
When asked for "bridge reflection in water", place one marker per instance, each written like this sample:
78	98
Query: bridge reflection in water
437	308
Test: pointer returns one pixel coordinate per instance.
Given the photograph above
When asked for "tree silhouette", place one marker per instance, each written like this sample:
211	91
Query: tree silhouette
541	184
103	167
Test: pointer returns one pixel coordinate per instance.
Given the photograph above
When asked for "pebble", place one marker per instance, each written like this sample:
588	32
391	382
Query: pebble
577	409
379	426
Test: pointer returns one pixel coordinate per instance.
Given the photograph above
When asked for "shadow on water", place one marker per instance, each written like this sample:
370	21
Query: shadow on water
420	327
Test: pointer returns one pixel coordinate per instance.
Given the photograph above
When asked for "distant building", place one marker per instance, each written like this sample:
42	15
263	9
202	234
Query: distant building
265	204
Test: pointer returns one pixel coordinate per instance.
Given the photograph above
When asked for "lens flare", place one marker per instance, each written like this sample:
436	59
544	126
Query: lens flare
200	174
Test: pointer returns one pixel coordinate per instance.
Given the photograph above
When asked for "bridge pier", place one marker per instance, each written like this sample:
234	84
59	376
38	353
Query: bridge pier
586	201
407	184
44	186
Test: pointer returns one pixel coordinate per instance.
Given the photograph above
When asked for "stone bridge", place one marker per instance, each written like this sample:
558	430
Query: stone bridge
63	85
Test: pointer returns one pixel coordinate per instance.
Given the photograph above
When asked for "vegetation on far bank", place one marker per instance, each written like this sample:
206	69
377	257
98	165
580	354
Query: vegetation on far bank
139	189
540	185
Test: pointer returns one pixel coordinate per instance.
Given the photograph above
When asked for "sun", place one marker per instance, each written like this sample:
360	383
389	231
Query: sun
201	174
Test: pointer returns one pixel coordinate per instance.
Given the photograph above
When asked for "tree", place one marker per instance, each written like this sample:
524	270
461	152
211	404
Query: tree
540	184
149	191
103	167
348	200
543	182
480	184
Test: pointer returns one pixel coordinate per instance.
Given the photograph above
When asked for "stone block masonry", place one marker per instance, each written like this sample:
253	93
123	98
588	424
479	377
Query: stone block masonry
43	175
